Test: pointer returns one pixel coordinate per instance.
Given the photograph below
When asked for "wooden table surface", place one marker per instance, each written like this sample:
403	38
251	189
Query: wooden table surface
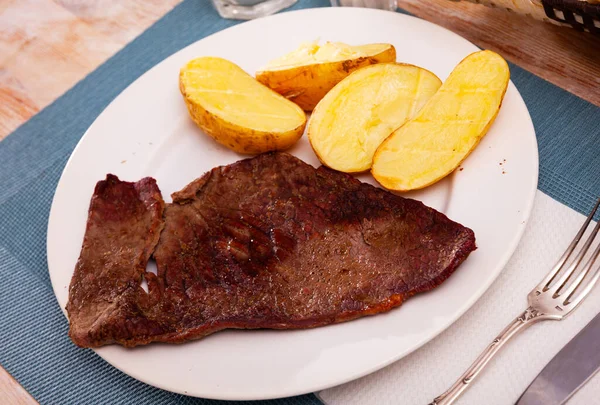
46	46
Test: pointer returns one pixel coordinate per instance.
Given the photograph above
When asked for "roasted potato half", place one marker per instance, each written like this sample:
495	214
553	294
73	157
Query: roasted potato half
352	120
236	110
446	130
305	75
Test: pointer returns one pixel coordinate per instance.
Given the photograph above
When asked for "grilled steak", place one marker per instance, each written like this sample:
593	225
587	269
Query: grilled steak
123	227
267	242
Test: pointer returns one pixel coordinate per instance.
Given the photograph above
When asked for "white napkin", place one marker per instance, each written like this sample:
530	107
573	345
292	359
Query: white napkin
426	373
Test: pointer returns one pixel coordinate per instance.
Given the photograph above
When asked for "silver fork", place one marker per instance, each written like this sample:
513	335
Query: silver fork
547	301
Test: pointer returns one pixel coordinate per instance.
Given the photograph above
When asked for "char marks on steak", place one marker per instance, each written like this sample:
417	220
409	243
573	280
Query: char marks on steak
267	242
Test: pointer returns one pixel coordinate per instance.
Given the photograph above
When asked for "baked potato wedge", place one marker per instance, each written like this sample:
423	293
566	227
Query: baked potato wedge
447	129
236	110
305	75
352	120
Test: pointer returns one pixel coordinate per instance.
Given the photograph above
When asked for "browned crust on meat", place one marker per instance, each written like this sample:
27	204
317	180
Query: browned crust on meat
123	227
271	242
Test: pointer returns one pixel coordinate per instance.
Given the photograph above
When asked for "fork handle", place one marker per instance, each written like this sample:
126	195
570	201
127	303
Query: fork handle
527	318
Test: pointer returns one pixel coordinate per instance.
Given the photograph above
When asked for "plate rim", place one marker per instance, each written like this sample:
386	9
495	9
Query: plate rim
466	305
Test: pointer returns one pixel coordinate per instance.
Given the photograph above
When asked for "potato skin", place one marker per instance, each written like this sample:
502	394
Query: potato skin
307	85
242	140
238	138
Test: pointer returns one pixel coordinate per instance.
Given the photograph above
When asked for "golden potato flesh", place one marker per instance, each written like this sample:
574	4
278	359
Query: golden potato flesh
305	75
448	127
237	111
362	110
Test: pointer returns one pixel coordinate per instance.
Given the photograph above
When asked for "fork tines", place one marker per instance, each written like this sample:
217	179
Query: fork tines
561	288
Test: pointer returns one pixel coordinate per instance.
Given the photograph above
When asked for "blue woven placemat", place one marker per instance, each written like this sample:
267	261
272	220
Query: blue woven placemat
34	346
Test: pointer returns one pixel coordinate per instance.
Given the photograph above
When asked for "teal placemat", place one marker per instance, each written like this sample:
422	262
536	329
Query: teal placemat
34	346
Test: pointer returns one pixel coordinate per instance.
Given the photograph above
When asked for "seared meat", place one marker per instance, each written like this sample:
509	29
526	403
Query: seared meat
267	242
123	227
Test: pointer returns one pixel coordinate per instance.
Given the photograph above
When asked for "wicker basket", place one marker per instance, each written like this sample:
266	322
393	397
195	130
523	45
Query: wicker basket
583	15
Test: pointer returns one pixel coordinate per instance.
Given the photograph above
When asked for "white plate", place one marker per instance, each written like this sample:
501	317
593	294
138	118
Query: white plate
146	131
